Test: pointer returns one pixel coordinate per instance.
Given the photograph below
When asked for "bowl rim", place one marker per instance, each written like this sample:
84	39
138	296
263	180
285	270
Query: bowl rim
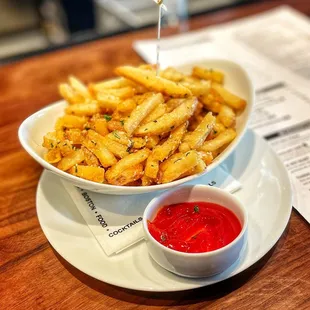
142	189
202	254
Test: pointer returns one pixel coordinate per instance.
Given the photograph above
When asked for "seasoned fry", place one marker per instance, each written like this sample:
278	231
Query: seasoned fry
74	136
173	103
174	170
69	94
95	174
170	120
227	116
83	109
99	125
230	99
121	93
108	102
90	158
127	105
53	156
146	181
194	140
151	167
70	121
110	84
79	87
208	74
128	176
207	157
50	140
118	149
115	172
222	139
159	111
163	151
116	125
93	142
154	83
69	161
141	111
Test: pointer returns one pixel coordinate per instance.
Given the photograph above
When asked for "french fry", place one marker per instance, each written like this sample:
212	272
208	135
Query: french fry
79	87
227	116
70	121
114	125
110	84
108	102
93	141
198	88
65	147
170	120
53	156
83	109
50	140
69	161
128	176
163	151
207	157
230	99
159	111
99	125
115	172
120	137
154	83
69	94
222	139
172	74
208	74
121	93
118	149
127	105
165	164
146	181
74	136
195	139
141	111
174	170
151	142
217	129
139	143
90	158
151	167
95	174
212	101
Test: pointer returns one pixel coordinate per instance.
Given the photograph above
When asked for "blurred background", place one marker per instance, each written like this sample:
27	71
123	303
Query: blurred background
28	27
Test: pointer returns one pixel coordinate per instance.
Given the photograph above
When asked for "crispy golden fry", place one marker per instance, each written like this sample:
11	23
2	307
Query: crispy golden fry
93	141
139	143
70	95
151	167
165	164
170	120
172	74
99	125
141	111
217	129
198	89
227	116
115	172
212	101
116	125
120	137
70	121
74	136
83	109
110	84
154	83
159	111
121	93
230	99
90	158
222	139
79	87
174	170
128	176
151	142
173	103
95	174
69	161
118	149
208	74
53	156
206	157
163	151
50	140
108	102
194	140
146	181
65	147
127	105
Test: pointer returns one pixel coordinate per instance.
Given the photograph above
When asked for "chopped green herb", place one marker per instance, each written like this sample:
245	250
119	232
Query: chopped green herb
87	128
94	142
195	237
171	127
196	209
186	154
155	121
163	237
116	135
215	132
107	117
130	146
75	168
177	160
145	129
52	145
122	122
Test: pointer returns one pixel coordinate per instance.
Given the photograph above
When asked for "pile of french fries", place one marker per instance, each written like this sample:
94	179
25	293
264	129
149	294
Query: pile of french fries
141	129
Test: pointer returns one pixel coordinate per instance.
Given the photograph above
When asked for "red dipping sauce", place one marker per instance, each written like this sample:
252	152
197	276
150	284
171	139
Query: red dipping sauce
195	227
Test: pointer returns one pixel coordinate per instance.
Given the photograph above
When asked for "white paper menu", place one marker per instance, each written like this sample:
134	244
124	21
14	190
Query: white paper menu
275	49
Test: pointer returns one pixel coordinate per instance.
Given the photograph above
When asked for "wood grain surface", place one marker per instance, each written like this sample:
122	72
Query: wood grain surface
34	276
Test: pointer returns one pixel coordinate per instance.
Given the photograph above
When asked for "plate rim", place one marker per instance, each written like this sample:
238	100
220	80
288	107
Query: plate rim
196	285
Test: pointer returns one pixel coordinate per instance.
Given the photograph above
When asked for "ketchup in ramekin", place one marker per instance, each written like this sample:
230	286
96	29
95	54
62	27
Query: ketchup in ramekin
195	227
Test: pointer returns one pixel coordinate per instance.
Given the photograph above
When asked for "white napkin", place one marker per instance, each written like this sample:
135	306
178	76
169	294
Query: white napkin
115	221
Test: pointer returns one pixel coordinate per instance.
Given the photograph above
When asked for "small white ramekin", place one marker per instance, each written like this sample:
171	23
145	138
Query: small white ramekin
196	264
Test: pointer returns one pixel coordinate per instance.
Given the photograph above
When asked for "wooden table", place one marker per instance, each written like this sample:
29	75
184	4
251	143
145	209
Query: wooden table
34	276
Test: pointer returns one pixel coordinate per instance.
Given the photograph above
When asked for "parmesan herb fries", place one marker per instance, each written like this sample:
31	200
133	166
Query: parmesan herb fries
143	129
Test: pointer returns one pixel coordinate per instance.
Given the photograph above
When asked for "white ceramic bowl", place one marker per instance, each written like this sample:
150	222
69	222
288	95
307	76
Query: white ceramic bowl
33	129
196	265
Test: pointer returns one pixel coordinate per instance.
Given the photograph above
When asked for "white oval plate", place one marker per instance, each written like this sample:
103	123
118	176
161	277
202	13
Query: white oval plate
265	192
33	129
